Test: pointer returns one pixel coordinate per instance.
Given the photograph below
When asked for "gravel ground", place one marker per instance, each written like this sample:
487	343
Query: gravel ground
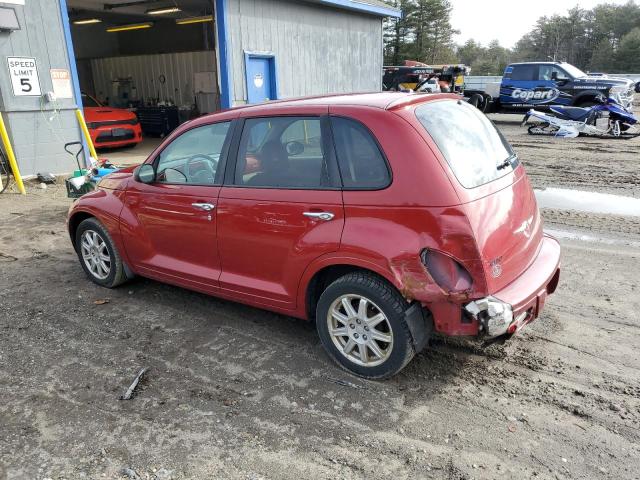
238	393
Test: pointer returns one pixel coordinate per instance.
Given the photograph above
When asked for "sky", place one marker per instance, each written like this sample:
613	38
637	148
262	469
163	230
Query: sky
507	21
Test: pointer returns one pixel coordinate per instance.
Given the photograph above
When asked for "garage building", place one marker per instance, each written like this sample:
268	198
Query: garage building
171	60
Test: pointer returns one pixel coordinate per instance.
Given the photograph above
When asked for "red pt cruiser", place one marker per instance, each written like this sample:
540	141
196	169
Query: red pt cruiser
383	217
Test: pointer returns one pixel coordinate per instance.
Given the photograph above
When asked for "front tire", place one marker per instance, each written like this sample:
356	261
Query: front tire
361	323
587	104
98	255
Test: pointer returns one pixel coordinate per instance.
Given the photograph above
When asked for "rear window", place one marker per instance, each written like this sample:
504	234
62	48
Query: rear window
472	146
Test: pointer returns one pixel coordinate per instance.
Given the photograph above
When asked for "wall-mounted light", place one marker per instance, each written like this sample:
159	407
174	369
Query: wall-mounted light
87	21
162	10
190	20
131	26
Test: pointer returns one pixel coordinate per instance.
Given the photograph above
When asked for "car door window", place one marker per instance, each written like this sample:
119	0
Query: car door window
562	75
547	73
362	165
193	157
524	72
285	152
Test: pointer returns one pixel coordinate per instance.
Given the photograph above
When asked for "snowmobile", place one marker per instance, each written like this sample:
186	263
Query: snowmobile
606	119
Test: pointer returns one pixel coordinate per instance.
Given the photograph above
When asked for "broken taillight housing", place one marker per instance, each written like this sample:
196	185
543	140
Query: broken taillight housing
447	272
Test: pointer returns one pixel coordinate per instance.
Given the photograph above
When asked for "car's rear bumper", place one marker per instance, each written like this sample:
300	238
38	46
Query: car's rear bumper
509	309
520	302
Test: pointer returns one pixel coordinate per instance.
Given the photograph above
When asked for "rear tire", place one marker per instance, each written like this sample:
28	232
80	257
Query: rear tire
98	255
477	101
370	338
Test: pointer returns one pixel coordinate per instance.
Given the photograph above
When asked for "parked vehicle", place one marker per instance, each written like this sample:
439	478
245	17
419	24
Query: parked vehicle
365	213
429	85
109	126
416	76
606	119
542	84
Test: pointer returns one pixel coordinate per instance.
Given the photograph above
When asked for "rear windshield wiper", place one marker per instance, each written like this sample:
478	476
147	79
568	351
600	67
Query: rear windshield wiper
507	162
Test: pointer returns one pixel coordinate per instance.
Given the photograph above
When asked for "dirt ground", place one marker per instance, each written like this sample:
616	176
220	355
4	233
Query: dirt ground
238	393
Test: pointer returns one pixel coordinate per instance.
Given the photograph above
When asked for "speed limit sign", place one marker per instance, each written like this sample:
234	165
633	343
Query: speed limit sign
24	76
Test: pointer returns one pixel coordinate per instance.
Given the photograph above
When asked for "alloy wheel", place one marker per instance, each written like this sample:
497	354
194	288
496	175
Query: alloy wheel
360	330
95	254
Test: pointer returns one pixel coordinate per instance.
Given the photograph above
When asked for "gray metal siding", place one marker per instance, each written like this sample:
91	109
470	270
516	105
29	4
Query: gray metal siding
318	50
37	131
178	69
38	139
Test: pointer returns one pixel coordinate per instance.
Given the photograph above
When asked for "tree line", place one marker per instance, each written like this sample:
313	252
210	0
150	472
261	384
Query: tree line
603	39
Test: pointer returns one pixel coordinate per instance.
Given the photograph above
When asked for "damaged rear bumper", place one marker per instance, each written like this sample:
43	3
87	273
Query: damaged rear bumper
520	302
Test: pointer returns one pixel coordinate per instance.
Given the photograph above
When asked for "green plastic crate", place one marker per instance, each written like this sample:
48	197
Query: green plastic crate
73	192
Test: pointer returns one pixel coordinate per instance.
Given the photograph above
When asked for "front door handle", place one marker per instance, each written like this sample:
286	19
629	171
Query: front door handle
207	207
326	216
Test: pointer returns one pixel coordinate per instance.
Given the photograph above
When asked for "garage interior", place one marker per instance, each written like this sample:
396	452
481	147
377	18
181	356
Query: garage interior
154	57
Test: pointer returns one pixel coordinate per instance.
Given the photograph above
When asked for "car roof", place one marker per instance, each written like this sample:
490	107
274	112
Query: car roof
381	100
543	62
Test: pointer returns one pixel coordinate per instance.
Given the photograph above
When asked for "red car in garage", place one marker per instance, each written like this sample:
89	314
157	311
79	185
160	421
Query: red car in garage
109	126
383	217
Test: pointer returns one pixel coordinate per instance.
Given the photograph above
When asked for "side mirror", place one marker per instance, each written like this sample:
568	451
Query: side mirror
554	76
145	173
294	148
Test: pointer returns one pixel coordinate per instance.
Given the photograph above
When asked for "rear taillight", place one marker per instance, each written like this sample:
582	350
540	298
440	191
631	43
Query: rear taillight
447	272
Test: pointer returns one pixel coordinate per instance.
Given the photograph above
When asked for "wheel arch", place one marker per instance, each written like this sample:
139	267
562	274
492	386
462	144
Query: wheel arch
418	317
587	95
323	272
74	221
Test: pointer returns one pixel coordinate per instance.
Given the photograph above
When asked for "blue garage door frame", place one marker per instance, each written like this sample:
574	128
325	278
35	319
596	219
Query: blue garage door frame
261	76
224	60
75	80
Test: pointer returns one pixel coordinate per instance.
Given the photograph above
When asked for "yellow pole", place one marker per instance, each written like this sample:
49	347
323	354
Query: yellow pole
10	156
85	130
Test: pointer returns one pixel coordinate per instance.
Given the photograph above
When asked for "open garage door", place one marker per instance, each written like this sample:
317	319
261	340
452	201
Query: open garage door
144	67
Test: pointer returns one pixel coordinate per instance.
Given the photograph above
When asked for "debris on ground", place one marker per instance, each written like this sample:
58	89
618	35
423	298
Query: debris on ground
130	473
128	395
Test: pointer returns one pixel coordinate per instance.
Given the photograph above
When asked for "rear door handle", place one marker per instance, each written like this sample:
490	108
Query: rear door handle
207	207
326	216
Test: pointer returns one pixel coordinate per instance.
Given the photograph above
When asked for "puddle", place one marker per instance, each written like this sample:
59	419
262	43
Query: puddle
583	237
592	202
